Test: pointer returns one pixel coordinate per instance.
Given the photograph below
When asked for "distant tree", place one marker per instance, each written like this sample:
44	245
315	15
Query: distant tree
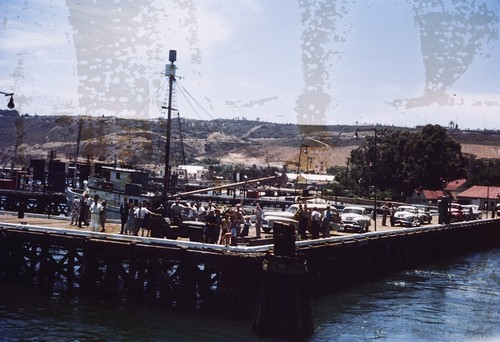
335	188
484	172
210	161
399	162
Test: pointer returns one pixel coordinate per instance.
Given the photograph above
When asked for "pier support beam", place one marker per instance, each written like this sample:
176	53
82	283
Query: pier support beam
284	305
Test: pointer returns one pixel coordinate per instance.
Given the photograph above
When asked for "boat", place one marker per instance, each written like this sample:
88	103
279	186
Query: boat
117	183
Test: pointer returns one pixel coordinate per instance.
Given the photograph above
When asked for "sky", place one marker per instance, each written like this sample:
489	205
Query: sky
390	62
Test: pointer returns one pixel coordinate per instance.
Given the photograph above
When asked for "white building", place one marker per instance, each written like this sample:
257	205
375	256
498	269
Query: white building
192	172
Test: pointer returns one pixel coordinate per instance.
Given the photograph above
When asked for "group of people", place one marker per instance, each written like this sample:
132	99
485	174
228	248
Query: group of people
135	218
89	212
388	210
221	225
313	220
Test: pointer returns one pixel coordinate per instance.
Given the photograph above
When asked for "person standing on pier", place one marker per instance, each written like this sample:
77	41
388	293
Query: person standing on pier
200	212
385	211
303	218
325	223
176	213
130	224
218	220
75	211
246	227
258	219
392	210
124	211
225	230
103	216
210	227
84	210
95	213
140	219
234	228
315	223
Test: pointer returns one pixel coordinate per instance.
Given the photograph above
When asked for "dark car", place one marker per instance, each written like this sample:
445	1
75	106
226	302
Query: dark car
424	212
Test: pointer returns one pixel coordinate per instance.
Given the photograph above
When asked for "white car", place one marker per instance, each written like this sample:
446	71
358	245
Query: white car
288	216
355	218
469	209
407	216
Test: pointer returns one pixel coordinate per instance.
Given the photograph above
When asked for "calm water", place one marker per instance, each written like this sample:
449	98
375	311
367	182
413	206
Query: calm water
454	300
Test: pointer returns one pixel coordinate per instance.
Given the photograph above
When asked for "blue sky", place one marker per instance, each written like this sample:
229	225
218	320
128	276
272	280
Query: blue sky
403	63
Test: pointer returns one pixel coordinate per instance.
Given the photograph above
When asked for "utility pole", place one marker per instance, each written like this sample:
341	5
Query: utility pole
78	141
170	73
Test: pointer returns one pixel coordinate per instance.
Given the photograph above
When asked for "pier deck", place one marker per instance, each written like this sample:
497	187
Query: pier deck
51	253
113	226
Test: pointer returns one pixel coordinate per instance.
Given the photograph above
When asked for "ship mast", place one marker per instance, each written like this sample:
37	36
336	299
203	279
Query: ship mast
170	73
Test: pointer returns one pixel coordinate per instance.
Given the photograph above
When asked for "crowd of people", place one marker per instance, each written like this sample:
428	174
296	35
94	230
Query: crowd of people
89	212
93	213
313	220
222	225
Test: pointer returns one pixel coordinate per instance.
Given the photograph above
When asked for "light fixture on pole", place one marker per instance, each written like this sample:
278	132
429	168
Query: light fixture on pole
303	149
170	73
10	105
375	166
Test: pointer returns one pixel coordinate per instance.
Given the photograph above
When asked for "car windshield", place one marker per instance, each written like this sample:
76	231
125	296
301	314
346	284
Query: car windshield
357	211
405	209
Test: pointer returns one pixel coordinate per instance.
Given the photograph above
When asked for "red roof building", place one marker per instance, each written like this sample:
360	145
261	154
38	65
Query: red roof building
427	197
455	187
480	194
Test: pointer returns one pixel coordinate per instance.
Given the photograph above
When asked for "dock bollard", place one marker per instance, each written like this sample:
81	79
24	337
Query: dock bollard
284	303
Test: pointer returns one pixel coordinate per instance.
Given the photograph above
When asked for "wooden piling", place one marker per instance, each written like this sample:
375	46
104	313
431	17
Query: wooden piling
284	302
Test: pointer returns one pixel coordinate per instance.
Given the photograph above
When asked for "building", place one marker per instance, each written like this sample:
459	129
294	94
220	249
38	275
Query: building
484	196
190	172
427	197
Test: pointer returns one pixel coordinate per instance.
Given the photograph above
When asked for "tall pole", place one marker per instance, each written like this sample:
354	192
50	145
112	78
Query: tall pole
375	167
298	168
488	190
376	181
170	72
78	140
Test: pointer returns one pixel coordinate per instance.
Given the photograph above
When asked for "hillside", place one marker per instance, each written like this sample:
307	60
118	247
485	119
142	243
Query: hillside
142	142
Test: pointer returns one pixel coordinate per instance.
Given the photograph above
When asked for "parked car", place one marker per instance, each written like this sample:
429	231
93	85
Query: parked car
456	212
288	216
472	211
355	218
424	212
407	216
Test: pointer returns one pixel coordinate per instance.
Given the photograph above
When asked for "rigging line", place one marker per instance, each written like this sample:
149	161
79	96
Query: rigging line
246	149
184	92
192	98
150	97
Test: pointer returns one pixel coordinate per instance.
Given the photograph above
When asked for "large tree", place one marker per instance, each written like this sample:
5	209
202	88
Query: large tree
398	162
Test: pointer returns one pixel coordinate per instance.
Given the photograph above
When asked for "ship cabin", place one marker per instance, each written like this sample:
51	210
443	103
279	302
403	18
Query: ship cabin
117	179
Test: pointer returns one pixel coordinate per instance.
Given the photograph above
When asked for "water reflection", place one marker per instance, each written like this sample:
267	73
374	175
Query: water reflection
454	300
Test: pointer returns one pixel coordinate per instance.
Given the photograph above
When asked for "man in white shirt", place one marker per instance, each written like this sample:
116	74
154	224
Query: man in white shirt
140	215
315	223
95	211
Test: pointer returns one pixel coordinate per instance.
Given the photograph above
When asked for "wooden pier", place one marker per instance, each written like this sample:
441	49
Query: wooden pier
35	202
224	280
